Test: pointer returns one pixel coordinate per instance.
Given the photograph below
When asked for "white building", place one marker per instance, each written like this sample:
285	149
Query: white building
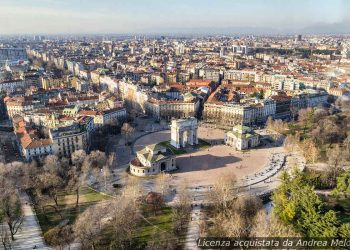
242	137
152	160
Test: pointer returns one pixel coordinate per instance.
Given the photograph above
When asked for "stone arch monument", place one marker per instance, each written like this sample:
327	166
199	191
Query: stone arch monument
184	132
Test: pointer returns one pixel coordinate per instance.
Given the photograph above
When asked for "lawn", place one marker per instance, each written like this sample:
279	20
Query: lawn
202	144
48	218
161	224
156	225
177	151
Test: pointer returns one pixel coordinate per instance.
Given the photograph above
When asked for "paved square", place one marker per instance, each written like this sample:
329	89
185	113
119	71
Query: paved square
203	167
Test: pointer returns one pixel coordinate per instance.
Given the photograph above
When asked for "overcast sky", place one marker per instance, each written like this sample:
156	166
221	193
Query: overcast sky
152	16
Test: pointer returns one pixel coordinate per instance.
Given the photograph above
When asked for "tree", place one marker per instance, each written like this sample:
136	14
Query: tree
93	164
320	113
162	240
271	226
5	237
155	200
238	219
53	179
306	117
343	184
346	146
123	217
126	130
88	225
78	158
291	142
94	161
59	236
133	191
30	175
76	175
51	185
10	208
224	190
181	209
162	184
335	164
296	203
344	230
310	150
269	123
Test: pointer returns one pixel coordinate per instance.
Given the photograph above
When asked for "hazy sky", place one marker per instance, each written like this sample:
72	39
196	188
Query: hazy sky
138	16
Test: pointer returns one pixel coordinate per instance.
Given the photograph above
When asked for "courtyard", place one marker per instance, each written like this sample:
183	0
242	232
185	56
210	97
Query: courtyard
203	166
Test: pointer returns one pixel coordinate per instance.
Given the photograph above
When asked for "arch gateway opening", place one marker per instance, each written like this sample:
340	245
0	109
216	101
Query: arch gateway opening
184	132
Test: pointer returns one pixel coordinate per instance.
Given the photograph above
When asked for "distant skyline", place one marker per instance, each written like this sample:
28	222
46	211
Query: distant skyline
174	16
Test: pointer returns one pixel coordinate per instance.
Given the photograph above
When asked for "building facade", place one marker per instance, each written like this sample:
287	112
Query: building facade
242	137
152	160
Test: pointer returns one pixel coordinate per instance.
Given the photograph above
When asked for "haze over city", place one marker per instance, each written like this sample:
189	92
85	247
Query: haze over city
182	16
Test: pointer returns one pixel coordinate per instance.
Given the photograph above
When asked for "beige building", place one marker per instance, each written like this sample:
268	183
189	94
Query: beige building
152	160
18	106
226	115
167	110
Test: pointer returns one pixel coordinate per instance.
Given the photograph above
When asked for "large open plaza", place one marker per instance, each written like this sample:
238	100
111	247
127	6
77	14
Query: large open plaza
203	166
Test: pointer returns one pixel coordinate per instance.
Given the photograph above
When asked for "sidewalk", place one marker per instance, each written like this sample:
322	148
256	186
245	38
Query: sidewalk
30	235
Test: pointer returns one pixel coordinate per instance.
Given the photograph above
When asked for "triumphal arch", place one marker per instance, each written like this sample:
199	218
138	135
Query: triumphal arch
184	132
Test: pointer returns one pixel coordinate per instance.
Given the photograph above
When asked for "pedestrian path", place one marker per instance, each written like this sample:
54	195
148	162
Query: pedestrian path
30	234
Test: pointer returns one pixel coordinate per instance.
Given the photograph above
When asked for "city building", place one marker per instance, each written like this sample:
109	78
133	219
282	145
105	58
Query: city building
152	160
242	137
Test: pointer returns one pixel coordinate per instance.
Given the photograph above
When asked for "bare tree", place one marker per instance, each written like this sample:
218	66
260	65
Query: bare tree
124	217
95	160
162	184
87	227
224	190
346	145
76	175
52	184
304	115
29	179
5	237
59	236
181	209
270	226
310	151
335	164
291	143
237	220
133	190
10	207
78	158
126	130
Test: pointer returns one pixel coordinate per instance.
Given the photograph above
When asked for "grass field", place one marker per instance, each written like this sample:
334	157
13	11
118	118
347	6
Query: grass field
48	218
177	151
149	228
161	222
202	144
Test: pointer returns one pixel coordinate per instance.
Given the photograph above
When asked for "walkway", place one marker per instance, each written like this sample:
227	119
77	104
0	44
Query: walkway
30	235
